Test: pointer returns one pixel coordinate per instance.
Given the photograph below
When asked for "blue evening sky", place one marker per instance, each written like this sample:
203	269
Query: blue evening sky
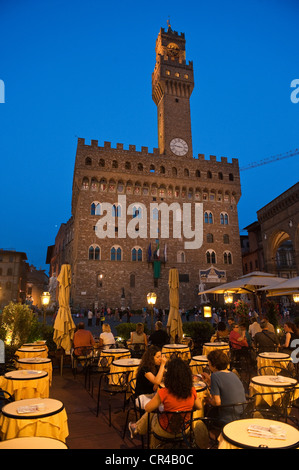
83	69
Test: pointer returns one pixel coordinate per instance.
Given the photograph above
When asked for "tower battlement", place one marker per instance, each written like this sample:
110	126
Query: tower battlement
173	33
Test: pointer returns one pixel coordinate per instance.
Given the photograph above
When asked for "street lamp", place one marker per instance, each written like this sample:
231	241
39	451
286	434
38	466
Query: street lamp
45	302
296	297
228	298
151	300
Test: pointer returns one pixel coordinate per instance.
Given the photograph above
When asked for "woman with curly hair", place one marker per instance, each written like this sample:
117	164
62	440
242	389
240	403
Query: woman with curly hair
178	394
149	375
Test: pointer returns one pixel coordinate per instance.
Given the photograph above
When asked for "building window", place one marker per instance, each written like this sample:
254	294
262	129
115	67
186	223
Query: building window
181	257
137	254
231	177
220	175
227	257
95	208
140	167
211	257
94	252
209	174
197	173
186	172
9	272
210	238
137	212
128	166
85	183
114	164
167	72
116	211
174	171
152	169
208	217
226	239
224	218
88	161
162	170
115	254
101	162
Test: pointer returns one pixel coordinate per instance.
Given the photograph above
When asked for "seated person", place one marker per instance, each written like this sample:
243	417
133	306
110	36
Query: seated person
178	394
238	338
106	337
266	341
221	333
82	338
138	336
225	387
149	375
291	333
159	337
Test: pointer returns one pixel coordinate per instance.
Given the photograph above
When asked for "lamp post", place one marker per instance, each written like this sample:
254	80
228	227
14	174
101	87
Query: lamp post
151	300
296	298
228	298
45	302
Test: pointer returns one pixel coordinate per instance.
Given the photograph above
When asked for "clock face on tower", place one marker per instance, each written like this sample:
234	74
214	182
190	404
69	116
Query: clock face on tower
178	146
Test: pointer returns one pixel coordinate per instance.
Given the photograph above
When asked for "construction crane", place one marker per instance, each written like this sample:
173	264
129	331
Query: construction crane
281	156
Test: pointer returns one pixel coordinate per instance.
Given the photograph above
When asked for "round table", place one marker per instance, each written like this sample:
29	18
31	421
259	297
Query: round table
235	435
32	351
272	385
219	345
124	365
32	443
24	384
36	363
51	421
114	354
201	392
198	363
274	359
181	350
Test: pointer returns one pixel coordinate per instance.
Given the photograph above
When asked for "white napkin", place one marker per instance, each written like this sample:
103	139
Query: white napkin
271	432
278	379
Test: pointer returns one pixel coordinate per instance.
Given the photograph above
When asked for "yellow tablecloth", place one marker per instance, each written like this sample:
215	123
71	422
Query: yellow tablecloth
182	350
32	351
123	365
267	384
198	363
114	354
208	347
32	443
202	392
274	359
36	363
24	384
235	435
51	422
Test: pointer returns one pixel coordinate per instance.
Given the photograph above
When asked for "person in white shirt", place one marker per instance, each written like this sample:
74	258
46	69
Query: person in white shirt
254	327
106	337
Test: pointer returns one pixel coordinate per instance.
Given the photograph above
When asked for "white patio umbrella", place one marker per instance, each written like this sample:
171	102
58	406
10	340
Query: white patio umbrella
285	287
247	284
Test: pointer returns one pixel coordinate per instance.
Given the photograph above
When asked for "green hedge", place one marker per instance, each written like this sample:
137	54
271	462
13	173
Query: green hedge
200	332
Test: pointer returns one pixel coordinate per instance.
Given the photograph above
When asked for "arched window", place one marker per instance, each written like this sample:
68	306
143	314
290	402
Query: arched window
114	164
137	254
209	174
197	173
116	211
226	238
94	252
208	217
128	166
231	177
140	167
85	183
137	212
211	257
115	253
174	171
101	162
152	169
210	238
227	257
186	172
224	218
162	170
88	161
155	214
95	208
220	175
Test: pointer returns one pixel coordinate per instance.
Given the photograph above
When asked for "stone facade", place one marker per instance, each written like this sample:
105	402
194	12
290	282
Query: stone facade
105	270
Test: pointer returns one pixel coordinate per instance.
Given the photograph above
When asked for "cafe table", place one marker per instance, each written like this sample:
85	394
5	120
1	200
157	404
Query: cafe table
272	385
114	354
235	435
125	365
198	363
32	443
219	345
36	363
201	392
272	359
31	351
38	417
180	350
22	384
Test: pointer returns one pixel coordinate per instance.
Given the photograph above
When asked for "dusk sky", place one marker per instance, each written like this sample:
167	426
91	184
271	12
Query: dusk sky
83	69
